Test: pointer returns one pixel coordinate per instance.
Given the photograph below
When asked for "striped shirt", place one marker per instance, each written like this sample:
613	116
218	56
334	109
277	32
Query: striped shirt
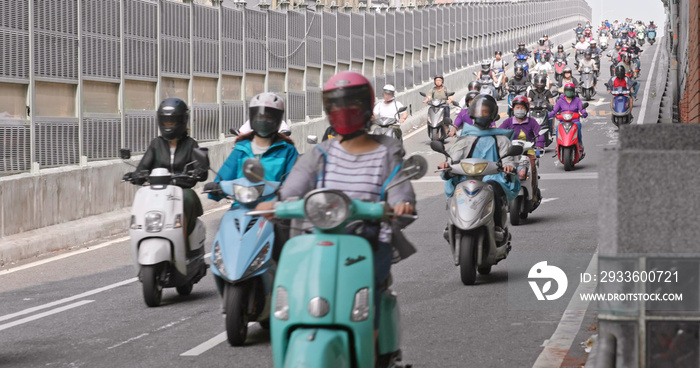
357	175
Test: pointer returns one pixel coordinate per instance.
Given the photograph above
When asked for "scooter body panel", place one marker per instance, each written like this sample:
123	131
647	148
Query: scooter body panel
318	347
435	116
153	251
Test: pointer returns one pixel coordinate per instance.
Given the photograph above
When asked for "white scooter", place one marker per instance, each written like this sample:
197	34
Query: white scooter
157	235
476	243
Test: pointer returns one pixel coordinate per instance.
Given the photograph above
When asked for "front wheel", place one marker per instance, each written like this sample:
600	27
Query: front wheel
185	289
467	257
236	316
515	206
152	289
568	158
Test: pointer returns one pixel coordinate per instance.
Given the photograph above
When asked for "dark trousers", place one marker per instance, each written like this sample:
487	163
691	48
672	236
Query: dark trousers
499	197
192	208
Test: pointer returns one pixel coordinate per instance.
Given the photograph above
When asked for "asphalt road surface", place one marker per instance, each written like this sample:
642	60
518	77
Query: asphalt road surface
87	309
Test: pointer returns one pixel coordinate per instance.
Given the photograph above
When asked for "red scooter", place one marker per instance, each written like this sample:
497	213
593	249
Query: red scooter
569	149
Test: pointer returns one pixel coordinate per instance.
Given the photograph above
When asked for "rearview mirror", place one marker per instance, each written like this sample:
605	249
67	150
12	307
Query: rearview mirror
125	153
415	167
201	155
506	64
438	147
474	73
455	103
421	93
544	131
498	117
311	139
514	150
403	109
585	105
450	94
234	132
253	170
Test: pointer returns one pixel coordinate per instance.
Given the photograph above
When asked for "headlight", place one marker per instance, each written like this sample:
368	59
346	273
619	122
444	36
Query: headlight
567	116
247	195
360	308
318	307
218	259
282	304
154	222
474	169
258	261
327	209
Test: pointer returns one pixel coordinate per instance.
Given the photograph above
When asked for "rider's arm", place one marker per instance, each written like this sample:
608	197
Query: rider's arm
228	171
302	177
581	110
149	158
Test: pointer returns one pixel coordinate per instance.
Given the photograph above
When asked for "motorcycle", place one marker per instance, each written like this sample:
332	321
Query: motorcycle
651	36
521	60
241	258
603	42
324	295
613	63
578	57
559	65
486	85
476	243
389	126
499	84
569	150
437	124
158	241
640	39
621	106
540	112
541	54
587	86
525	203
515	91
615	33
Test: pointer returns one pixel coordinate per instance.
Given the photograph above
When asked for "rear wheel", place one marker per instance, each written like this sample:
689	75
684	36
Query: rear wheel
515	206
467	257
568	158
236	316
152	289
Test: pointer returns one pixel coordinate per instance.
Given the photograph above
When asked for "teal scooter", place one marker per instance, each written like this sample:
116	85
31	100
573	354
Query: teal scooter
323	294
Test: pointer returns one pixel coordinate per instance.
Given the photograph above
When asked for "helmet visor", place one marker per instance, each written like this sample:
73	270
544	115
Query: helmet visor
265	121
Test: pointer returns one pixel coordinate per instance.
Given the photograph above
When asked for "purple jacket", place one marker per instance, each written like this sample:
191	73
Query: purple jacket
463	117
576	106
529	126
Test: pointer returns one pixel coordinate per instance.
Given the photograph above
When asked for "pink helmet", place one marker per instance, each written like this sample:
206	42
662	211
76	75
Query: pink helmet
348	100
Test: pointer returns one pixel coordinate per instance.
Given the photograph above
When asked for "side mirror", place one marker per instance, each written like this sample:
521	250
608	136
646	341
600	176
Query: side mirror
606	85
311	139
506	64
585	105
455	103
498	117
288	133
201	155
253	170
438	147
403	109
234	132
125	153
415	167
450	94
514	150
422	94
544	131
474	73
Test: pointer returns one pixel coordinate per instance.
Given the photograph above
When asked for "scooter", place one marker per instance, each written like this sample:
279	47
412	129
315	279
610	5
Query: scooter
559	65
324	292
640	39
525	203
603	42
578	57
486	85
621	106
541	54
389	126
514	92
539	111
158	241
476	243
587	86
241	258
569	150
615	33
521	61
651	36
500	84
437	124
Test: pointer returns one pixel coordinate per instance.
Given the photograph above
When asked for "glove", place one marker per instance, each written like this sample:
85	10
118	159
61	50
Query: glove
214	189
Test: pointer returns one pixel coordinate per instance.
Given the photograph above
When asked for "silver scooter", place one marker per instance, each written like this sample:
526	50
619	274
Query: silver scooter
437	124
157	236
389	126
524	203
476	243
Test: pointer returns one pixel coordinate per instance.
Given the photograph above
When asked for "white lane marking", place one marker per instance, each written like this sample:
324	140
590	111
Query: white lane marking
599	102
85	250
549	176
557	347
44	314
411	134
545	200
605	122
171	324
66	300
201	348
646	88
128	341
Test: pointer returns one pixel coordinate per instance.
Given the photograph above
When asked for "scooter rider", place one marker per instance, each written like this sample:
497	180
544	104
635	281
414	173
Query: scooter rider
569	102
624	37
625	65
582	44
497	65
567	78
518	78
635	50
541	46
621	80
389	107
616	25
463	116
543	67
172	150
440	92
547	41
473	86
561	54
527	129
486	70
589	62
540	93
521	50
578	29
357	164
595	51
484	142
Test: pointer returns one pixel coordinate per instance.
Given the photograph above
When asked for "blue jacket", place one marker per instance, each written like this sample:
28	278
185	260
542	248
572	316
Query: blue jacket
277	161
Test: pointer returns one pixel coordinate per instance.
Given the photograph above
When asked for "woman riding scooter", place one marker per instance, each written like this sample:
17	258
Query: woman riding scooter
569	102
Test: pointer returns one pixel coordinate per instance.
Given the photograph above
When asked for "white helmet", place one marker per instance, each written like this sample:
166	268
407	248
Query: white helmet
389	88
265	112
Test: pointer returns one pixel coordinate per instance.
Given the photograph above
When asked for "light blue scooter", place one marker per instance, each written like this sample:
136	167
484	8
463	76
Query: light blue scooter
241	258
323	295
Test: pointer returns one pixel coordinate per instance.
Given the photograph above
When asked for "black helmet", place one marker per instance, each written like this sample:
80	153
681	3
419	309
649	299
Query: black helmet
521	45
620	71
541	41
633	42
540	82
651	22
587	53
483	110
519	72
473	86
560	47
485	66
498	53
173	110
470	96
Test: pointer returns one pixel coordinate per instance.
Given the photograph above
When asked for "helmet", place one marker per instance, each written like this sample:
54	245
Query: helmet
588	53
521	45
265	112
521	100
560	47
485	65
473	86
545	36
498	53
541	41
569	87
348	100
624	32
618	43
173	110
633	42
470	96
483	110
651	22
580	36
540	81
438	76
519	71
624	56
593	42
389	89
620	71
567	69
